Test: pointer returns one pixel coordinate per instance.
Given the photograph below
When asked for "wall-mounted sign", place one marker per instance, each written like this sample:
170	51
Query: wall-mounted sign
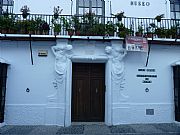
43	53
147	75
140	3
136	44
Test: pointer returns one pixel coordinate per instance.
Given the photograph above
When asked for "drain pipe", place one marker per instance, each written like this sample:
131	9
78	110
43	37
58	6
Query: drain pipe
30	45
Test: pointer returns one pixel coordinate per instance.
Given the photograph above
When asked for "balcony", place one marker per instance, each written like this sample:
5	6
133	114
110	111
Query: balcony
89	25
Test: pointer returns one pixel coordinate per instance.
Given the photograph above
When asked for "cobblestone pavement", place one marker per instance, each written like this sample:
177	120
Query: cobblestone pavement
94	129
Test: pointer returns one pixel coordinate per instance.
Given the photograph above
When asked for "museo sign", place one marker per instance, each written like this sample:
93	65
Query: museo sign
140	3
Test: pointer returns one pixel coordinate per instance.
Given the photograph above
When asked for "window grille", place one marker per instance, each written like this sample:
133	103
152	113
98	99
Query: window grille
6	6
175	9
90	6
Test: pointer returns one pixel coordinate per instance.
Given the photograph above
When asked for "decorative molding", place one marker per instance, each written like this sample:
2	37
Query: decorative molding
3	61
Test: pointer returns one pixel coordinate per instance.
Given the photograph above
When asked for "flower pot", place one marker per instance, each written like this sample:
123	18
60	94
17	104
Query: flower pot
56	33
31	32
10	31
77	33
4	31
158	19
139	34
38	32
24	15
70	32
149	35
56	16
119	18
45	32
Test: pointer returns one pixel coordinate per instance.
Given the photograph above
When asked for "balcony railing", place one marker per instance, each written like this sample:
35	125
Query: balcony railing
88	25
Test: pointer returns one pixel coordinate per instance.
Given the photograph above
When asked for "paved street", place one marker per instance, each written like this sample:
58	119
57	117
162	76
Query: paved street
94	129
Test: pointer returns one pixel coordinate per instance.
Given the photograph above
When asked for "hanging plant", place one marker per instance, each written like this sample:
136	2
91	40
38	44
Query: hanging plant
25	11
159	17
57	11
119	16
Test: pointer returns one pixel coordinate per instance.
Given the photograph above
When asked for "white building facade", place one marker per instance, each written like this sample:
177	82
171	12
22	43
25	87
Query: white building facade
43	92
60	79
132	8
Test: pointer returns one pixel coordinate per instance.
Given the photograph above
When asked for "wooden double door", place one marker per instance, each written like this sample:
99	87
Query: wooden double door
88	92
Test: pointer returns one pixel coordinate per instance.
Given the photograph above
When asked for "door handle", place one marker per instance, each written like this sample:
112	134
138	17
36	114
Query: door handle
79	90
96	90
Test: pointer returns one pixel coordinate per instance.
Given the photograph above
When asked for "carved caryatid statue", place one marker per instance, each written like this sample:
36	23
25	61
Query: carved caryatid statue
116	54
62	54
117	63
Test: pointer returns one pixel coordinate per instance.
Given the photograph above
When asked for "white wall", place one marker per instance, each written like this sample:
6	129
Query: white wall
160	96
46	7
23	107
35	108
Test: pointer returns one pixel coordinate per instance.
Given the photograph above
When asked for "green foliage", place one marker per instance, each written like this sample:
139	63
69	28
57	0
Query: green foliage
7	23
123	31
110	28
57	28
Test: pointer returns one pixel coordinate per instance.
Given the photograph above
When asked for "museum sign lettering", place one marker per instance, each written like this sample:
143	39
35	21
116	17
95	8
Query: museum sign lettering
147	75
140	3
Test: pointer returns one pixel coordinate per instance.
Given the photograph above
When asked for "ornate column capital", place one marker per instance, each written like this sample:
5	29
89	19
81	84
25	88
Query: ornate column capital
116	53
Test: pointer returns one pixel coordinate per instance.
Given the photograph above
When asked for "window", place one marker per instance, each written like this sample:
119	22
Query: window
175	9
86	6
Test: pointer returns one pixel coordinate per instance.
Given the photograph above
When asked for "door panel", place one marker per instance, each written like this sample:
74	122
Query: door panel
79	97
97	99
3	76
88	92
176	70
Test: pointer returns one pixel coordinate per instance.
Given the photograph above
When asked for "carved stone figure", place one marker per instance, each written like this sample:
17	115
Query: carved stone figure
118	64
116	55
61	54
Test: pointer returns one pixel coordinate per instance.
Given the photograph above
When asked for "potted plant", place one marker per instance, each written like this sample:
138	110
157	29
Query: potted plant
98	29
76	24
31	26
110	28
38	26
57	11
140	30
119	16
70	31
57	28
25	11
7	24
45	28
122	30
171	33
159	17
160	32
150	30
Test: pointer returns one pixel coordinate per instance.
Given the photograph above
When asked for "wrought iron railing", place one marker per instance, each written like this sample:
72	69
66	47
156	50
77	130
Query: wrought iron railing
88	25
